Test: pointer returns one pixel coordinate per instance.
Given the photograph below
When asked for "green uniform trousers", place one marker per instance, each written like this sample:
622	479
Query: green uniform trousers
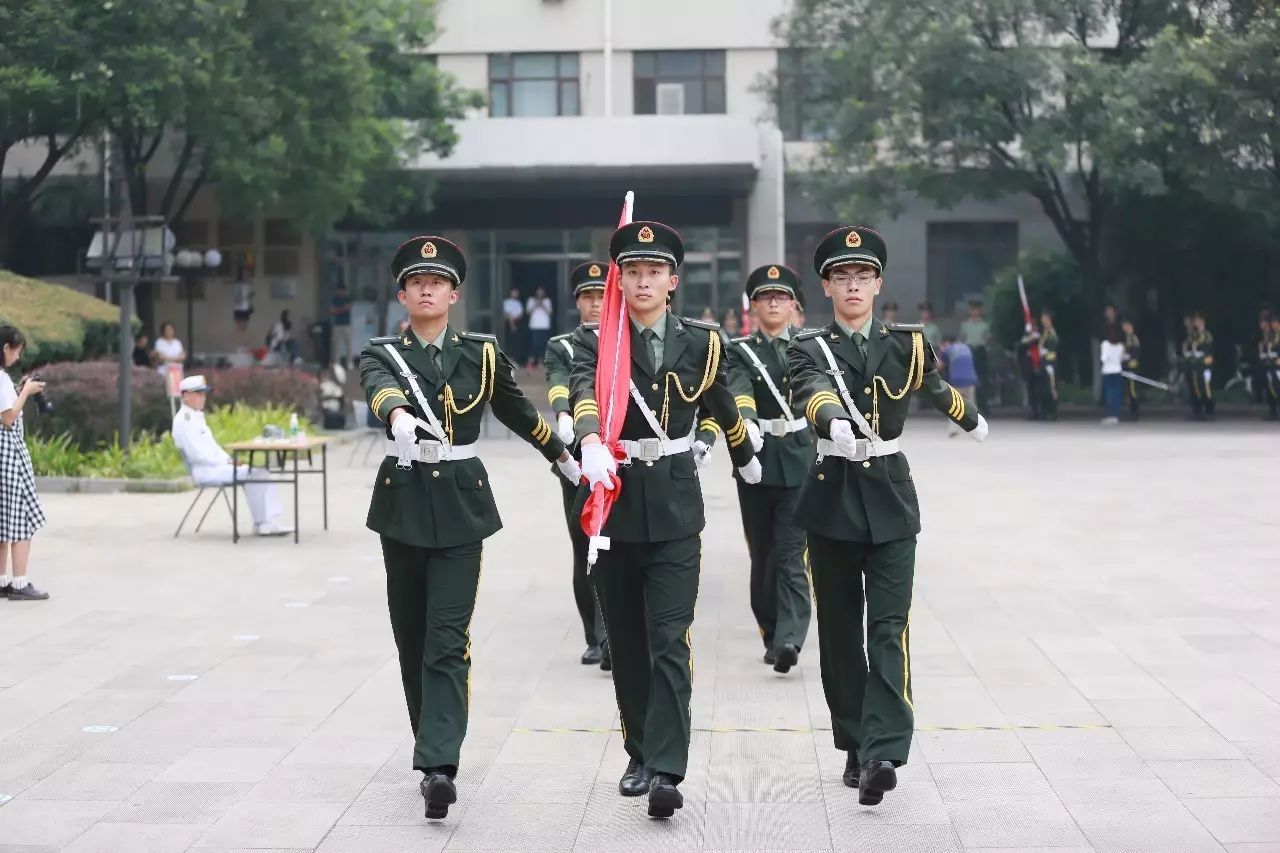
1201	392
583	595
431	593
779	584
647	592
868	689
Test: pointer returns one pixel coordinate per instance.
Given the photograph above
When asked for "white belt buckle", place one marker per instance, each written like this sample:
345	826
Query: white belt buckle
429	452
862	451
650	449
778	427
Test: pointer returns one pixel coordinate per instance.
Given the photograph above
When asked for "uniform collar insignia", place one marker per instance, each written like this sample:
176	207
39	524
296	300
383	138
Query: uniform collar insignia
454	339
834	336
406	340
883	330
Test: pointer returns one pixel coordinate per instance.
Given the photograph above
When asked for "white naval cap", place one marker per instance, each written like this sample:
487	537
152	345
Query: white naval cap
194	383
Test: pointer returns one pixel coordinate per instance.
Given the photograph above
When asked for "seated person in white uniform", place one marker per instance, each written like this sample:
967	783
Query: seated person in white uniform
212	466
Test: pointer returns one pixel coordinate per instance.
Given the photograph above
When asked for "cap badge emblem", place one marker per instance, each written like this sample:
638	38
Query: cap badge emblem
645	235
853	239
428	249
774	273
594	271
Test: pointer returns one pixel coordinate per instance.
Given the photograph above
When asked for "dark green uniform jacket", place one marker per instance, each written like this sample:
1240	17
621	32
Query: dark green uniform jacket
784	459
450	503
556	360
872	501
662	500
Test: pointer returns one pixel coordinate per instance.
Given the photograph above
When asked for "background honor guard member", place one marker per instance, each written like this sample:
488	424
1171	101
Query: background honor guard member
1132	363
1269	364
587	281
647	579
210	465
1047	377
1197	362
432	502
853	380
761	386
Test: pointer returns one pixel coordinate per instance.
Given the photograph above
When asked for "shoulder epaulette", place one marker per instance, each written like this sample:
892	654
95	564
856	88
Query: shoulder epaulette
478	336
701	324
739	340
385	339
563	337
905	327
809	333
590	327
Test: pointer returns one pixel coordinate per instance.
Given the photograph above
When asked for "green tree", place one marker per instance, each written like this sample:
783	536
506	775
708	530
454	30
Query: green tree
994	97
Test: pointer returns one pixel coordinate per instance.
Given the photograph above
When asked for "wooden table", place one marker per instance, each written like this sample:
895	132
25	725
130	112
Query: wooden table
281	450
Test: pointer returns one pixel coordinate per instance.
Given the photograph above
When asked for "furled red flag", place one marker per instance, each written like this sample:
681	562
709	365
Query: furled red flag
613	384
1028	325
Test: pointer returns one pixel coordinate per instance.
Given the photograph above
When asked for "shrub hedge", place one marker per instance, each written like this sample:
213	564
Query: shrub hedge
60	324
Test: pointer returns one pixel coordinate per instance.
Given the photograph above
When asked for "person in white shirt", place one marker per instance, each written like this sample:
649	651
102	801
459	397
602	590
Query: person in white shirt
539	310
211	465
168	348
512	313
1112	357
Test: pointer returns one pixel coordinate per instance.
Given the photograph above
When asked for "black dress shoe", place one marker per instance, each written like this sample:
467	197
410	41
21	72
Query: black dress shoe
771	657
606	660
852	770
877	777
592	656
664	796
439	793
787	656
635	781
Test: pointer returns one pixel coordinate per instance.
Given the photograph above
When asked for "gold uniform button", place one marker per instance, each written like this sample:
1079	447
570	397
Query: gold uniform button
866	390
386	482
867	416
439	396
654	386
866	464
822	476
435	473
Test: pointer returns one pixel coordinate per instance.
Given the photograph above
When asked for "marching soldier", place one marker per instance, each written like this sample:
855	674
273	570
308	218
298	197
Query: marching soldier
1132	363
647	579
853	380
587	281
1269	359
432	503
1197	361
761	386
1048	375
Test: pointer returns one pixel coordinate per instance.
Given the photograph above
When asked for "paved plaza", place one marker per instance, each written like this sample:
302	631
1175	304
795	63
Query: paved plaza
1096	638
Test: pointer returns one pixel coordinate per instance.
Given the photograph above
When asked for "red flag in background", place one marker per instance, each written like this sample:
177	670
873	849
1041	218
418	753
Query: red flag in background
613	386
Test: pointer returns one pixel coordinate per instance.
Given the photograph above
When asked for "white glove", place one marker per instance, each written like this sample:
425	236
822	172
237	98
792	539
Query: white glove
979	432
751	472
564	427
597	465
701	453
753	433
404	431
570	469
842	435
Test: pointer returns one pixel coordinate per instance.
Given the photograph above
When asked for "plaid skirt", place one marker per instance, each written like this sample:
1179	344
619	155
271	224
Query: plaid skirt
20	512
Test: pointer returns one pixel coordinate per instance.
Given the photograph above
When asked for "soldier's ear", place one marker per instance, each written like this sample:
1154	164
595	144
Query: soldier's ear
401	296
453	296
675	281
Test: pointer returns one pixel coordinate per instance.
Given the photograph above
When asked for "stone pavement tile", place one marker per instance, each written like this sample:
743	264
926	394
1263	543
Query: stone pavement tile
754	701
284	825
766	826
898	837
520	826
195	718
79	780
952	701
1133	814
1179	744
617	824
312	783
400	805
1028	850
537	783
1061	762
1265	754
1093	735
321	748
223	763
278	732
53	822
1215	778
552	748
1147	713
133	747
195	802
916	801
788	747
763	782
1260	847
1129	686
1239	819
23	764
1004	805
1244	724
136	838
971	747
429	837
1038	706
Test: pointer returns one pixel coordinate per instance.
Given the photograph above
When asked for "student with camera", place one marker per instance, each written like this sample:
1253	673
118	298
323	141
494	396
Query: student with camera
20	512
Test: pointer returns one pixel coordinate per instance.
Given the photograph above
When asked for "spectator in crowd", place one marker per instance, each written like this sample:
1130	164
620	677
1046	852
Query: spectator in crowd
889	313
975	332
142	351
402	326
342	347
241	307
961	373
280	339
168	349
732	324
513	320
707	315
21	515
931	333
539	311
1112	358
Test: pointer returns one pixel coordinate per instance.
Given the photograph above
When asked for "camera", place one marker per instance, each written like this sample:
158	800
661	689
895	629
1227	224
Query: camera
43	406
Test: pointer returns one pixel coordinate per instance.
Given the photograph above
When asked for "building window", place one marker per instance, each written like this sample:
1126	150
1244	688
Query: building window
678	82
964	259
799	97
533	84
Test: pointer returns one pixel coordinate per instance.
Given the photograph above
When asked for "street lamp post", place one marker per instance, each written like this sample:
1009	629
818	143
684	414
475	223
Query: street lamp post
191	265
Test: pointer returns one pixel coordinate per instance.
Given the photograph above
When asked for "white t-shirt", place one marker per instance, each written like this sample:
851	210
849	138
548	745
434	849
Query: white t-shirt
8	393
168	351
1112	357
511	309
242	297
539	312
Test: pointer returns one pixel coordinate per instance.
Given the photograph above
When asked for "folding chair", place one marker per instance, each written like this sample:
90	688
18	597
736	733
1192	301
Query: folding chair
221	492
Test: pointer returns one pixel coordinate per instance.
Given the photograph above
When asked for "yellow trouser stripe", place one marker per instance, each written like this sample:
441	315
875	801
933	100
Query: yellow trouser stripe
906	663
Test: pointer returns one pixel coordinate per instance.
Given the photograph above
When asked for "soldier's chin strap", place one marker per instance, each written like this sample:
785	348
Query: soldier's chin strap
838	376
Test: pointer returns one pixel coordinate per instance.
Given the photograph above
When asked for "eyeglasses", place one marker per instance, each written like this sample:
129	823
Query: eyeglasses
773	297
862	279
